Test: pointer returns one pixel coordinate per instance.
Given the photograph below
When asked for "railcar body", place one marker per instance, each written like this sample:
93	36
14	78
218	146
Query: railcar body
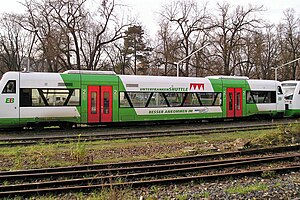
291	90
91	97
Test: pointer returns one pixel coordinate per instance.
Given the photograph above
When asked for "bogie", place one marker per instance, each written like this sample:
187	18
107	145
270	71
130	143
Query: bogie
66	125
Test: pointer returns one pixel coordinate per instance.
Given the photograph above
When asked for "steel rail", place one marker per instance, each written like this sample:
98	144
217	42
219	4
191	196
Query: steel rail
133	183
176	160
113	171
148	171
134	135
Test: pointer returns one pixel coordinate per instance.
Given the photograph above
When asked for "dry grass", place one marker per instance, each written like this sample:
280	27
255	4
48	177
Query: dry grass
81	152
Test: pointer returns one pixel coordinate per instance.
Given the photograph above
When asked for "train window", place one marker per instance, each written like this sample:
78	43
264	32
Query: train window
139	99
250	98
49	97
238	101
210	98
61	97
25	97
169	99
38	98
158	99
175	99
288	90
230	101
261	97
94	103
106	103
10	87
124	100
289	97
191	99
218	99
279	90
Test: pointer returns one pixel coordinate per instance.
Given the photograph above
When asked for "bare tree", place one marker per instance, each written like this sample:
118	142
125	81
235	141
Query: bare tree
190	24
229	33
290	32
52	48
108	28
70	35
166	48
13	43
266	52
70	18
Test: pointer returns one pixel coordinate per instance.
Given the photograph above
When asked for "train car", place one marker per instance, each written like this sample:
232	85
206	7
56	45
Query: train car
94	97
291	90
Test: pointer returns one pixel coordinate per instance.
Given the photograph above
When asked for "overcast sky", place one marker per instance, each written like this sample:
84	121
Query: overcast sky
147	10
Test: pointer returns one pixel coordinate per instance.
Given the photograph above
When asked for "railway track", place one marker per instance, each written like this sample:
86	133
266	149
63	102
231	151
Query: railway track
132	135
148	172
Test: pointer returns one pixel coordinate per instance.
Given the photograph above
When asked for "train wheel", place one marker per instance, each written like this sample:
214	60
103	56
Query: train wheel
65	125
38	127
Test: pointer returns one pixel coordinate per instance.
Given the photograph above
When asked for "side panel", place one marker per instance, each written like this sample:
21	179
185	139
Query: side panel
88	80
55	91
169	85
271	104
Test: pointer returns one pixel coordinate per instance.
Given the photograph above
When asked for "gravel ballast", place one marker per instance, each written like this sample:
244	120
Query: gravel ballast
279	186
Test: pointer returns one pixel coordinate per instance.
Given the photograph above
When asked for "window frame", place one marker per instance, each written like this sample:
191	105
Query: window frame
4	91
273	99
68	91
167	104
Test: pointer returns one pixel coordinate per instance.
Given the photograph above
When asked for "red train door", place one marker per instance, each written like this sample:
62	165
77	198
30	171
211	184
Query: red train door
99	104
234	102
230	102
106	104
238	102
93	104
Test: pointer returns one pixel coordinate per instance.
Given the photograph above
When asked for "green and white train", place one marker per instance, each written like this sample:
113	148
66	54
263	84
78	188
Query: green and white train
95	97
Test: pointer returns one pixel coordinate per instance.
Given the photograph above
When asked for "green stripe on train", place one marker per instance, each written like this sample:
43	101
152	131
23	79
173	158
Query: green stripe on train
292	113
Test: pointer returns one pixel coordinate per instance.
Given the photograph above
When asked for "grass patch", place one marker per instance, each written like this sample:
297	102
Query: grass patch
246	189
283	135
112	194
268	174
79	152
204	195
182	197
82	152
103	194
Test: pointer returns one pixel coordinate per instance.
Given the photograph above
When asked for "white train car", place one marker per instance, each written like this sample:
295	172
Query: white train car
32	98
291	90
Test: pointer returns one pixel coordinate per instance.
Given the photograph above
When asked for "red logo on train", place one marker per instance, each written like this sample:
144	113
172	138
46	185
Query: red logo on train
196	86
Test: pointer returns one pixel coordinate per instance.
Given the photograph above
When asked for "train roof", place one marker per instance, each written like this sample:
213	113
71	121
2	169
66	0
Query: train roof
229	77
290	81
145	77
89	72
